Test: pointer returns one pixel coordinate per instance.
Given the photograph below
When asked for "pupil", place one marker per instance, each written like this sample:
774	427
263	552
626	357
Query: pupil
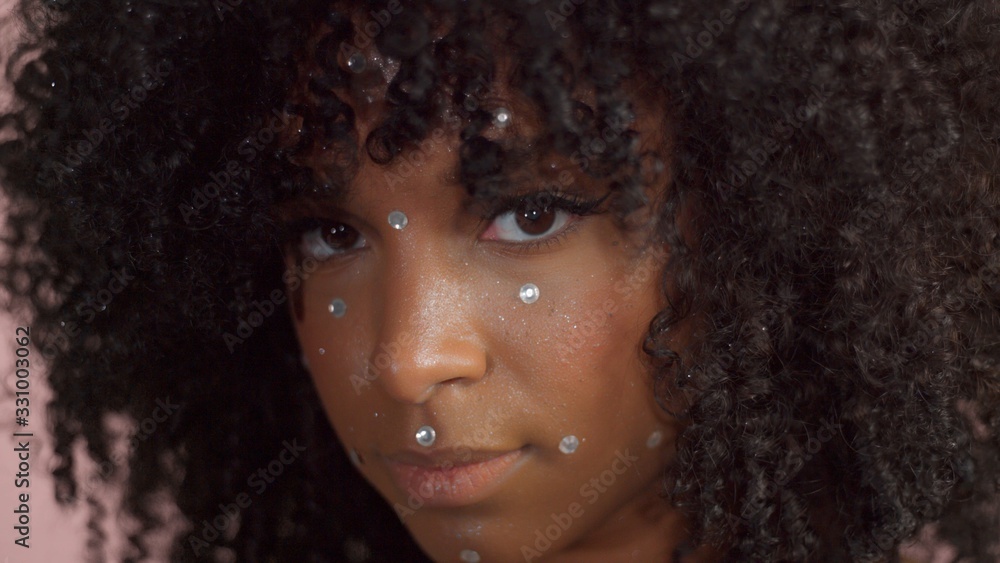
341	237
535	221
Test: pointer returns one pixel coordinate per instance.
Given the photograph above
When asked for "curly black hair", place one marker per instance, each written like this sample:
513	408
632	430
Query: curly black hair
843	157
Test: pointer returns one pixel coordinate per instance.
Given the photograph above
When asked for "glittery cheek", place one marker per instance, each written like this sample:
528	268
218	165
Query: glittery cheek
605	310
566	332
571	340
332	333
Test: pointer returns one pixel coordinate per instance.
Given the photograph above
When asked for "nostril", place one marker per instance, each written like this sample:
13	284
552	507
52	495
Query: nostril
414	372
454	380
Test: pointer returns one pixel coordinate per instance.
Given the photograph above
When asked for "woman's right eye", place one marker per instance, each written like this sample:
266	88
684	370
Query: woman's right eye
328	239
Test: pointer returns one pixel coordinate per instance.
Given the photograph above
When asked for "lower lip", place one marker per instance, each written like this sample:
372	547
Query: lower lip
454	486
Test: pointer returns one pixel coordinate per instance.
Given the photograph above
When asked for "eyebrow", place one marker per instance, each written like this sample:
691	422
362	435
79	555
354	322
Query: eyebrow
478	202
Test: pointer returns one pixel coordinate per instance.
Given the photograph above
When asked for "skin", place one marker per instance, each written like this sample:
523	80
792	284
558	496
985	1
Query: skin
435	334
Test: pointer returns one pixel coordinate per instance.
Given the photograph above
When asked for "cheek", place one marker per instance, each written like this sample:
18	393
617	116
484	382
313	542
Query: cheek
589	327
596	382
606	321
334	350
601	370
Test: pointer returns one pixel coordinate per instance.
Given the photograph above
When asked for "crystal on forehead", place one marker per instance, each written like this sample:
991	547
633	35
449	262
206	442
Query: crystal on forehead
654	439
398	220
469	556
501	117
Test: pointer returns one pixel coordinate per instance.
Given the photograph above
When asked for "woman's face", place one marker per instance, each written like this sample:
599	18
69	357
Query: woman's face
548	442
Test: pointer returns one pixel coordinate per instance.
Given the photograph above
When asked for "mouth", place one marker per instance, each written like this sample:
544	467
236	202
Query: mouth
451	479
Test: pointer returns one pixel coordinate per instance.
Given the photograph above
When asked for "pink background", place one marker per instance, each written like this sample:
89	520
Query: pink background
57	534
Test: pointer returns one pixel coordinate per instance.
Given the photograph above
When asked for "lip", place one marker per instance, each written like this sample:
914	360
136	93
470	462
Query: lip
447	479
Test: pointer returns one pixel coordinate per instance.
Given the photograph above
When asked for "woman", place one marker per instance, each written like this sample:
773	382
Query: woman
518	280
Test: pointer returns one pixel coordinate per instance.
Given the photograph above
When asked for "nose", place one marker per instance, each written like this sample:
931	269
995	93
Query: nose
429	321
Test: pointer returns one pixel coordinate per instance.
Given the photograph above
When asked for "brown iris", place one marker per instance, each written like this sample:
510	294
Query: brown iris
340	237
533	220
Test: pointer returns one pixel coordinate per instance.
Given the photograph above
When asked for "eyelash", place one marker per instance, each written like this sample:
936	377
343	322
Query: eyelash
570	203
296	229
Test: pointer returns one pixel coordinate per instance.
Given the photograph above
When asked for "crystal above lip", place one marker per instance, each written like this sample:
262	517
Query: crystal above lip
426	436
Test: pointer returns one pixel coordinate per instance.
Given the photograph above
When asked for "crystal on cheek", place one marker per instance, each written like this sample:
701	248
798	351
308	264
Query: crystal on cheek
469	556
338	307
654	439
529	293
398	220
355	457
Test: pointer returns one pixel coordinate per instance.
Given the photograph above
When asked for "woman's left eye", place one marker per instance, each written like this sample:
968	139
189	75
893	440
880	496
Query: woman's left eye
322	239
537	217
526	224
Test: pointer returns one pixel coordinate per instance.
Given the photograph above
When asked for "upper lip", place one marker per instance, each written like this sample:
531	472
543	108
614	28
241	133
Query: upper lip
446	457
